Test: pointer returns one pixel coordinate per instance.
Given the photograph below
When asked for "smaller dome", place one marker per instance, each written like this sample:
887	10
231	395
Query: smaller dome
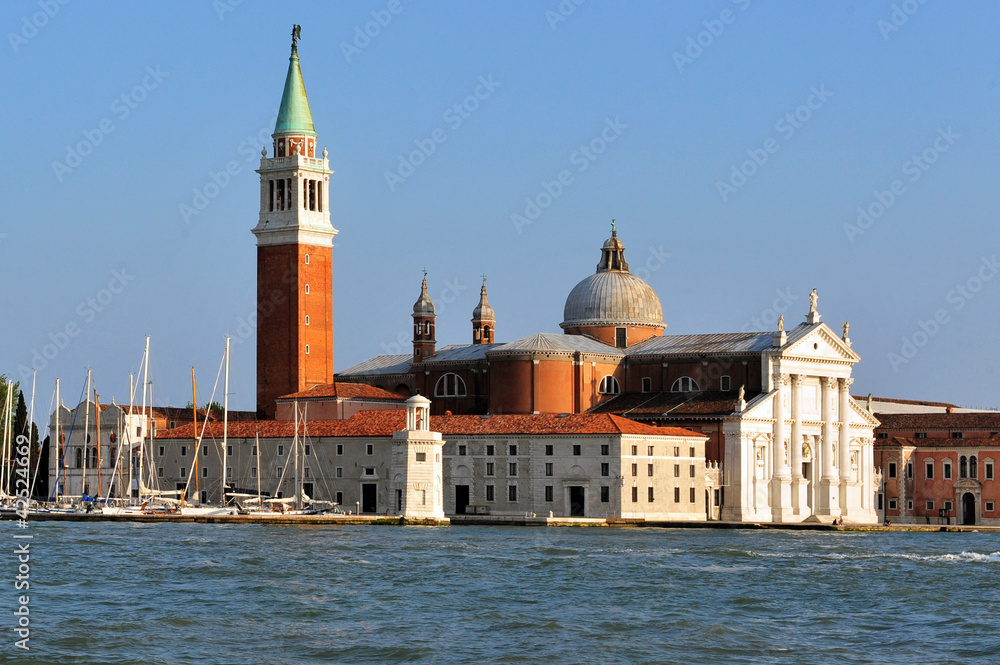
483	311
423	306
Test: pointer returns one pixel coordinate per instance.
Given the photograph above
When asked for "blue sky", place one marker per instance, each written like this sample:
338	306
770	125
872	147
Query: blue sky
886	107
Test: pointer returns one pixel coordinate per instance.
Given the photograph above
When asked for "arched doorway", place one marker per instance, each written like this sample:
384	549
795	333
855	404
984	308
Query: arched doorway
968	508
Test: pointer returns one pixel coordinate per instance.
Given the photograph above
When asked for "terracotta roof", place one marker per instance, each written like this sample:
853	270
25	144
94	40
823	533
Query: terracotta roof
343	390
893	400
384	423
556	343
956	421
672	405
940	442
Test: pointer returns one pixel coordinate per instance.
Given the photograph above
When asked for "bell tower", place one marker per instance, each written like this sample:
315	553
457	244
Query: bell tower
294	253
424	318
484	320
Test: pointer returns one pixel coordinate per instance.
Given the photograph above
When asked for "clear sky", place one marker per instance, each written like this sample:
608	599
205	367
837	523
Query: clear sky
736	143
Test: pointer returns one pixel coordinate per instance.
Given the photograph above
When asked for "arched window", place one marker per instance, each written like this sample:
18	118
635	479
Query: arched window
609	386
685	384
973	467
92	458
79	458
450	385
486	335
962	467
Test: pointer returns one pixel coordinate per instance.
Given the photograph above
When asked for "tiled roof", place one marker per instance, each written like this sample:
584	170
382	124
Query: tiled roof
939	442
956	421
342	390
384	423
672	405
893	400
460	353
396	364
556	343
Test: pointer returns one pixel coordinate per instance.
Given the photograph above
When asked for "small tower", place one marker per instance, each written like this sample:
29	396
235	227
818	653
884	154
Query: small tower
484	320
417	469
423	325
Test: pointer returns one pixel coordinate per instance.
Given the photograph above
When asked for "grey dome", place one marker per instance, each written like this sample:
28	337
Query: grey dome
613	296
424	306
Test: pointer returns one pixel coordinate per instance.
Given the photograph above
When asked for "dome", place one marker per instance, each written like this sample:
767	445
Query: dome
612	296
423	306
483	311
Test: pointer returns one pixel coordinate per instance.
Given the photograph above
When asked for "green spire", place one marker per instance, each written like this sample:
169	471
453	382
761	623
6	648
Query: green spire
294	116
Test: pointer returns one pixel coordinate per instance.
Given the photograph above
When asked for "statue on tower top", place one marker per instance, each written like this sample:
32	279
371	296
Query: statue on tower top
614	229
813	301
296	36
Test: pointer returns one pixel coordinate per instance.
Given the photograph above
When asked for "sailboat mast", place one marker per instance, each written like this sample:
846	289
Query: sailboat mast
295	446
7	426
144	420
97	419
86	436
225	427
256	447
194	397
60	451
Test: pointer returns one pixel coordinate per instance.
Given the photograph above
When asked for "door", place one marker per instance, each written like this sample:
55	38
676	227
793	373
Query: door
968	508
577	507
307	489
461	498
368	497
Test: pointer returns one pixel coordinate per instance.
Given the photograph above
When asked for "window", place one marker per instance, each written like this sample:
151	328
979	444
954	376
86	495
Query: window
677	470
892	504
281	451
947	505
947	469
879	501
635	495
649	450
725	383
159	472
369	471
956	435
606	494
677	495
340	472
462	450
548	468
338	498
909	469
989	506
692	452
421	457
489	469
635	469
909	504
930	505
605	469
685	384
649	470
450	385
989	470
918	435
576	448
229	450
647	384
489	449
204	450
621	337
307	259
691	495
307	449
692	471
305	472
883	435
548	492
369	449
973	470
278	471
512	449
184	451
892	469
605	449
512	470
307	349
512	493
204	472
253	450
340	449
649	494
183	473
635	450
929	470
609	386
963	466
548	449
307	319
677	451
162	451
490	493
307	289
253	472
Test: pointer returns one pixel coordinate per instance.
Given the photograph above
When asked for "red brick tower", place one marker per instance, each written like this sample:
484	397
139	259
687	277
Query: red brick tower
294	254
484	320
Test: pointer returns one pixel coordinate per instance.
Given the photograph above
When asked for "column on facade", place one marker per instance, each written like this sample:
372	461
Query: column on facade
844	411
827	414
796	440
778	460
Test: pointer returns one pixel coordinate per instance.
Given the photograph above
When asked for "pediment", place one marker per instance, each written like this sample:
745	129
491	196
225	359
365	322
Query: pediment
822	344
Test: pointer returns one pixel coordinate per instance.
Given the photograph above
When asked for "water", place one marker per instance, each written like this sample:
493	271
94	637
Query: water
206	593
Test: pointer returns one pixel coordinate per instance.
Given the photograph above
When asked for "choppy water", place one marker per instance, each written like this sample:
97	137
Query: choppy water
204	593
